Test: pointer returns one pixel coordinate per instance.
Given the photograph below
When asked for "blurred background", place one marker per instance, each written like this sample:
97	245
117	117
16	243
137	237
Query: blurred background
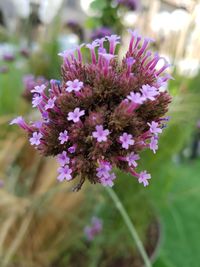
43	223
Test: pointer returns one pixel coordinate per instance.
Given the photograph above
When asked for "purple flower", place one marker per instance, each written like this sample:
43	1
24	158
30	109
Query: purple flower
111	112
35	139
154	128
63	159
114	41
63	137
4	69
21	123
108	180
100	134
153	144
100	33
50	104
126	140
94	229
75	85
136	98
72	149
144	177
131	158
64	173
75	115
130	4
149	92
104	173
9	57
37	100
39	89
104	169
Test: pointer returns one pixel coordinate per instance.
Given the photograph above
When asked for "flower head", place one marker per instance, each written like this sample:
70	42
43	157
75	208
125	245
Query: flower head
103	112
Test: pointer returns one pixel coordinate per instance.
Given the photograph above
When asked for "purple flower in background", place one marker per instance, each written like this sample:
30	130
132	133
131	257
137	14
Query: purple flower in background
9	57
133	5
100	134
103	112
1	183
94	229
101	32
4	69
126	140
32	85
63	137
75	85
35	139
75	115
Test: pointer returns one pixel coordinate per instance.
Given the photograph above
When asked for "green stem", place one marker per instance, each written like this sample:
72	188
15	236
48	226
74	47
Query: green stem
130	225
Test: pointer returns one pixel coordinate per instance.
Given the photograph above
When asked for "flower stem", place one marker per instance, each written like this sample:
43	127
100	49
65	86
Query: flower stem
129	225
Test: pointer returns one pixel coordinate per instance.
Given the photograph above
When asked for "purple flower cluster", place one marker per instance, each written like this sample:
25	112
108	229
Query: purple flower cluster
94	229
103	113
29	82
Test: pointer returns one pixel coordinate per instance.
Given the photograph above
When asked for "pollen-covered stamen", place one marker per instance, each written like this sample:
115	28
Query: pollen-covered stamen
113	41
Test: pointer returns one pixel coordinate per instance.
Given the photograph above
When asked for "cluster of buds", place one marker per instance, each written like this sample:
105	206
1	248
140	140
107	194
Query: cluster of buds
103	113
